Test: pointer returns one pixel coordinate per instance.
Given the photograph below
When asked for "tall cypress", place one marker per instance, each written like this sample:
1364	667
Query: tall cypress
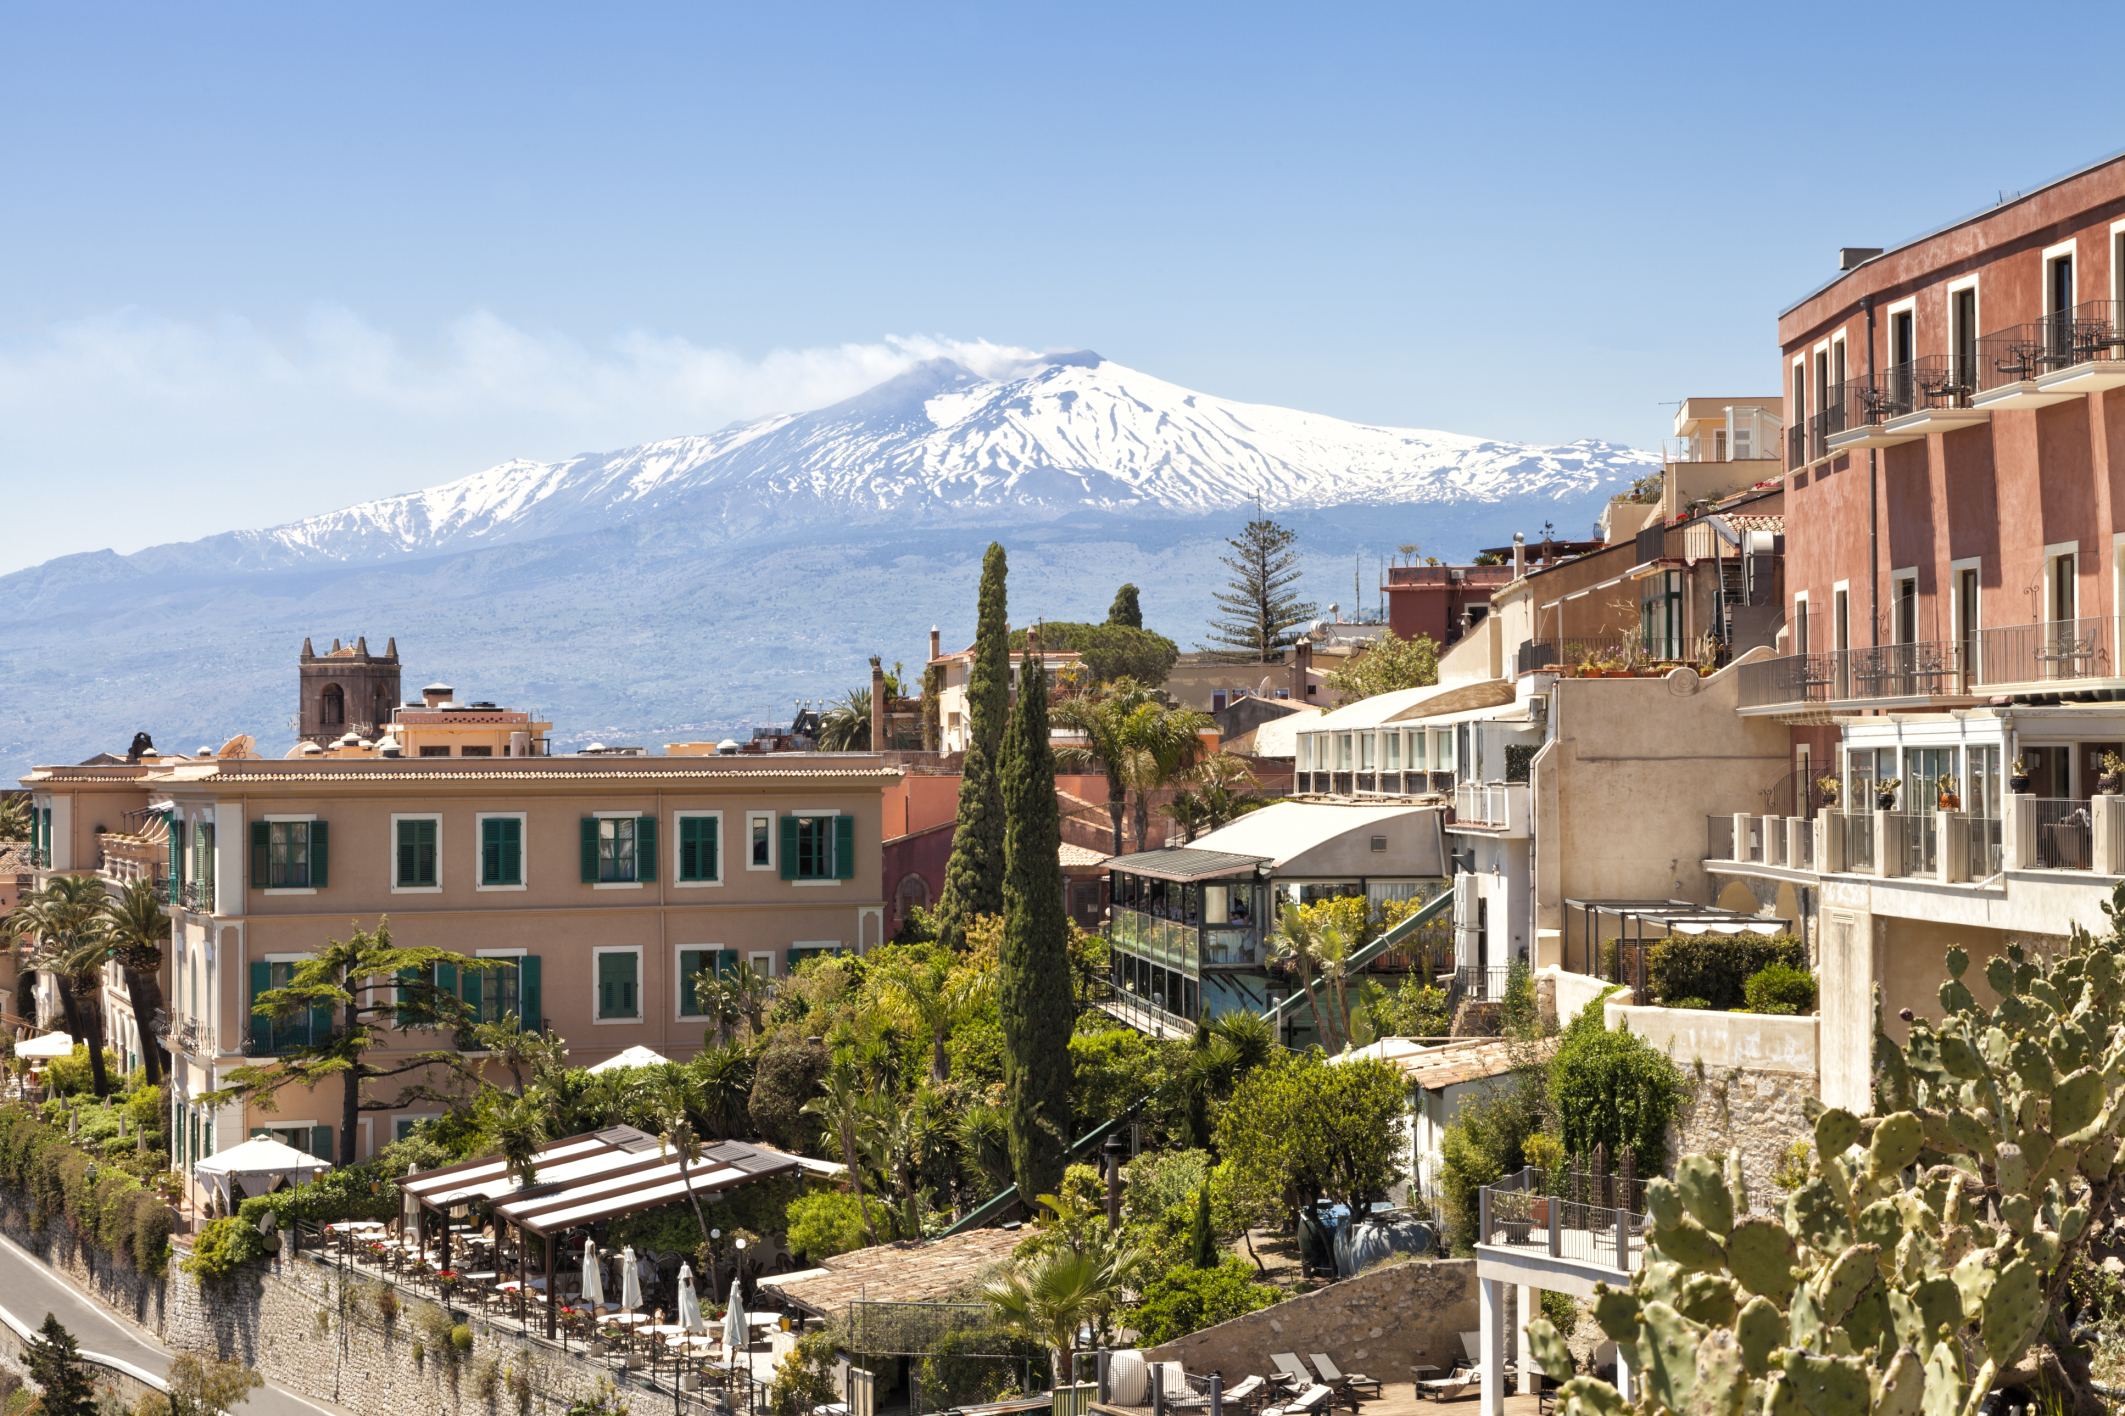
973	877
1033	997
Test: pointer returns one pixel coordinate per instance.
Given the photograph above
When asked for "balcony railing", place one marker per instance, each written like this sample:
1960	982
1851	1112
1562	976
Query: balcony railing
1796	447
1859	842
1747	434
2089	333
1565	654
1987	857
199	895
1513	1212
1719	838
1935	381
2058	652
1922	670
1824	426
1483	804
1919	835
1481	985
2064	832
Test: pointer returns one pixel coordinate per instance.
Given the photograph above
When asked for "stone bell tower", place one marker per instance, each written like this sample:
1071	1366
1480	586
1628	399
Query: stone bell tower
347	690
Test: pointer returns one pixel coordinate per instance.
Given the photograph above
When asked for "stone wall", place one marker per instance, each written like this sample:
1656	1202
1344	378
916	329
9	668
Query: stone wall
1758	1111
1381	1323
113	1282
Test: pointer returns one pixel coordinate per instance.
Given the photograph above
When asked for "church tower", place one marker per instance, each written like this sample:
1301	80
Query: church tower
347	690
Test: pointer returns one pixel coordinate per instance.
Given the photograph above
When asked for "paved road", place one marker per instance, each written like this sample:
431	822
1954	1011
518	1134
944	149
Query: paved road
31	1290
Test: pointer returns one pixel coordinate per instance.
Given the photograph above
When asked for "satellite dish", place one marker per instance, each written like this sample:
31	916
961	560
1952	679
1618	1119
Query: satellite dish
240	746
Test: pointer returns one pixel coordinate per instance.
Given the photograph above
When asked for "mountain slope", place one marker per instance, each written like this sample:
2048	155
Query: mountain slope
704	582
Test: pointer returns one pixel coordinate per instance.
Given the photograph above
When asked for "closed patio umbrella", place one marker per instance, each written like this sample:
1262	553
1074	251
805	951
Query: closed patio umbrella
593	1278
734	1333
689	1303
630	1280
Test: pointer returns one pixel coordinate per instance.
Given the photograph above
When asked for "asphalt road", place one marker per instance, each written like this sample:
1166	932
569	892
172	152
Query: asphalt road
29	1290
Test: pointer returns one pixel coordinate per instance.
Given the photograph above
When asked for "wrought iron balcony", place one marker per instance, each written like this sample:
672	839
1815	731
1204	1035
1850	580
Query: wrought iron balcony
2067	353
1925	670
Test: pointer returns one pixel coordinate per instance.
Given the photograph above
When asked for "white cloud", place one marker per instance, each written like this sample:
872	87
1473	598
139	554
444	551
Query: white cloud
207	426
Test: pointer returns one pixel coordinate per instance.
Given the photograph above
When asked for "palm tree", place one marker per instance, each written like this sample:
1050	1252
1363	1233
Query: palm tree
726	1075
138	930
519	1130
1161	743
842	1105
1298	945
897	1139
1334	952
1051	1296
1102	718
846	727
14	817
1218	791
935	995
674	1097
63	927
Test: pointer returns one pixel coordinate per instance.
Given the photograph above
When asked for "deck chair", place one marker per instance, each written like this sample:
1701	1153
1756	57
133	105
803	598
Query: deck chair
1291	1373
1355	1383
1452	1388
1250	1392
1472	1344
1314	1399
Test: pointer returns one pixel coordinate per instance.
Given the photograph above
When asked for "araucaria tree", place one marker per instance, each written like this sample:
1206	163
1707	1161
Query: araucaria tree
55	1365
1259	606
1034	997
1125	611
352	1016
973	877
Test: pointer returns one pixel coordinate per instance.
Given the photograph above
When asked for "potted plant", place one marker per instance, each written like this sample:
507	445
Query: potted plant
1829	787
1950	799
2018	776
2108	780
1885	793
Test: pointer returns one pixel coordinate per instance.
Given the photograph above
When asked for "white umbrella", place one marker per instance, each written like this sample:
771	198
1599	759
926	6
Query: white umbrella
630	1280
593	1278
689	1303
735	1335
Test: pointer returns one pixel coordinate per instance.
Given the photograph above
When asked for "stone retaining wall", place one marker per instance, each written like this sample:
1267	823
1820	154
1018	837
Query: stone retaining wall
1382	1323
113	1282
1735	1106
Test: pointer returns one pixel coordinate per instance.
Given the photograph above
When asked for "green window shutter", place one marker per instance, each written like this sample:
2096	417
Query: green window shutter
844	848
320	1024
321	1142
490	852
406	979
469	988
691	962
261	981
319	854
261	855
645	848
689	848
616	985
416	853
710	847
590	850
512	852
501	851
176	831
790	957
529	1001
446	979
789	848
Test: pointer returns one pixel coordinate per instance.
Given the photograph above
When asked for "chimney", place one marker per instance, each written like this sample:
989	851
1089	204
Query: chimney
936	650
1519	555
1853	257
435	695
1301	667
877	706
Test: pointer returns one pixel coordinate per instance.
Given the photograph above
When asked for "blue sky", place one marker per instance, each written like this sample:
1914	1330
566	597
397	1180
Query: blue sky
262	261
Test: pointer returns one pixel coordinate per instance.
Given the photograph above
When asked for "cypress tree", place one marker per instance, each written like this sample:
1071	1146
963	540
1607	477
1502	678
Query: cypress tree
1202	1239
1125	610
54	1362
973	877
1033	996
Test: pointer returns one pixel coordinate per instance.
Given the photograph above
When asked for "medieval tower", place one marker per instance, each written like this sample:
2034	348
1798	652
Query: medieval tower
347	690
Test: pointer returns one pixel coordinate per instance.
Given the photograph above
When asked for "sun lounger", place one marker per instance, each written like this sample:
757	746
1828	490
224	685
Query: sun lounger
1451	1388
1356	1383
1250	1391
1315	1398
1291	1373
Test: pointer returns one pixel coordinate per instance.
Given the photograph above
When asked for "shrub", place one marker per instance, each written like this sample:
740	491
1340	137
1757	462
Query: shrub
1188	1300
71	1075
1716	967
969	1368
1613	1089
461	1339
787	1078
105	1205
804	1378
1485	1141
825	1223
224	1247
1701	1004
1780	988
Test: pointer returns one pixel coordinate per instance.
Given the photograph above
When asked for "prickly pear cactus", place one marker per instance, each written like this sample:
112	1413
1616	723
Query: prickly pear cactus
1922	1262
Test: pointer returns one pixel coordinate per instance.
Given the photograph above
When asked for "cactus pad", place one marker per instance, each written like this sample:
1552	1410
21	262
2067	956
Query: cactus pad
1547	1346
1828	1386
2013	1169
1616	1313
1702	1183
1896	1143
1902	1386
1709	1298
1667	1354
1761	1254
1835	1131
1691	1245
1722	1381
2077	1104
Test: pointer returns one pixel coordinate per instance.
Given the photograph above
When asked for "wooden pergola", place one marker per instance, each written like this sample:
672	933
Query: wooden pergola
583	1179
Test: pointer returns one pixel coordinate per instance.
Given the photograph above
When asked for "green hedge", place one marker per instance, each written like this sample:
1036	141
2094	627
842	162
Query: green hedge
1716	967
107	1209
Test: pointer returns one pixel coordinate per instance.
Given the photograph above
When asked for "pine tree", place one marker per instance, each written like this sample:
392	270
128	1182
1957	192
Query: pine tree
973	877
1260	608
1034	996
1125	610
55	1366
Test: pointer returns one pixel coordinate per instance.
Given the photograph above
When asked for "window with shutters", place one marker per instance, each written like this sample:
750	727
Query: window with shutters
693	963
416	852
700	848
818	848
619	976
272	1033
502	852
288	855
619	850
760	839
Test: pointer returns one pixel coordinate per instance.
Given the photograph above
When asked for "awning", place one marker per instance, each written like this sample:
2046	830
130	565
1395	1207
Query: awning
46	1047
1187	863
637	1056
601	1175
256	1165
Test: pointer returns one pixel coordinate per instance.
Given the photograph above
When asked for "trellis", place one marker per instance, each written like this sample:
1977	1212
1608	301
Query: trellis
919	1329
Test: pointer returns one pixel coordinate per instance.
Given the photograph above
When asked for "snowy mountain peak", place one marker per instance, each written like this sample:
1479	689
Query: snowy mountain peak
938	443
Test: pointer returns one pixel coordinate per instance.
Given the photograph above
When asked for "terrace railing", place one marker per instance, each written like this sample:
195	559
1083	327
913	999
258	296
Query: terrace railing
2064	832
2088	333
1515	1213
2059	652
1859	842
1987	852
1719	838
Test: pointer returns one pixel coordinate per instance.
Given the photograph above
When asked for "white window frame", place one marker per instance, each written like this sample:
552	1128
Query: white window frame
772	845
2052	553
296	889
636	883
1896	578
755	956
678	991
1955	608
479	850
722	853
416	1117
1800	617
1906	306
641	1013
391	864
808	811
2071	250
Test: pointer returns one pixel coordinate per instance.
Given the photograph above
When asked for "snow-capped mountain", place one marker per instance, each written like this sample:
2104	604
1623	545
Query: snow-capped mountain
1073	433
702	583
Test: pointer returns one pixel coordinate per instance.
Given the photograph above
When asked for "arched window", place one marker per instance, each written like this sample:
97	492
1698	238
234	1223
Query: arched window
332	707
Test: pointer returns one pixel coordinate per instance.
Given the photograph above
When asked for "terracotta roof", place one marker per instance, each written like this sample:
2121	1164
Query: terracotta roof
912	1272
392	771
1437	1067
1776	525
1082	856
